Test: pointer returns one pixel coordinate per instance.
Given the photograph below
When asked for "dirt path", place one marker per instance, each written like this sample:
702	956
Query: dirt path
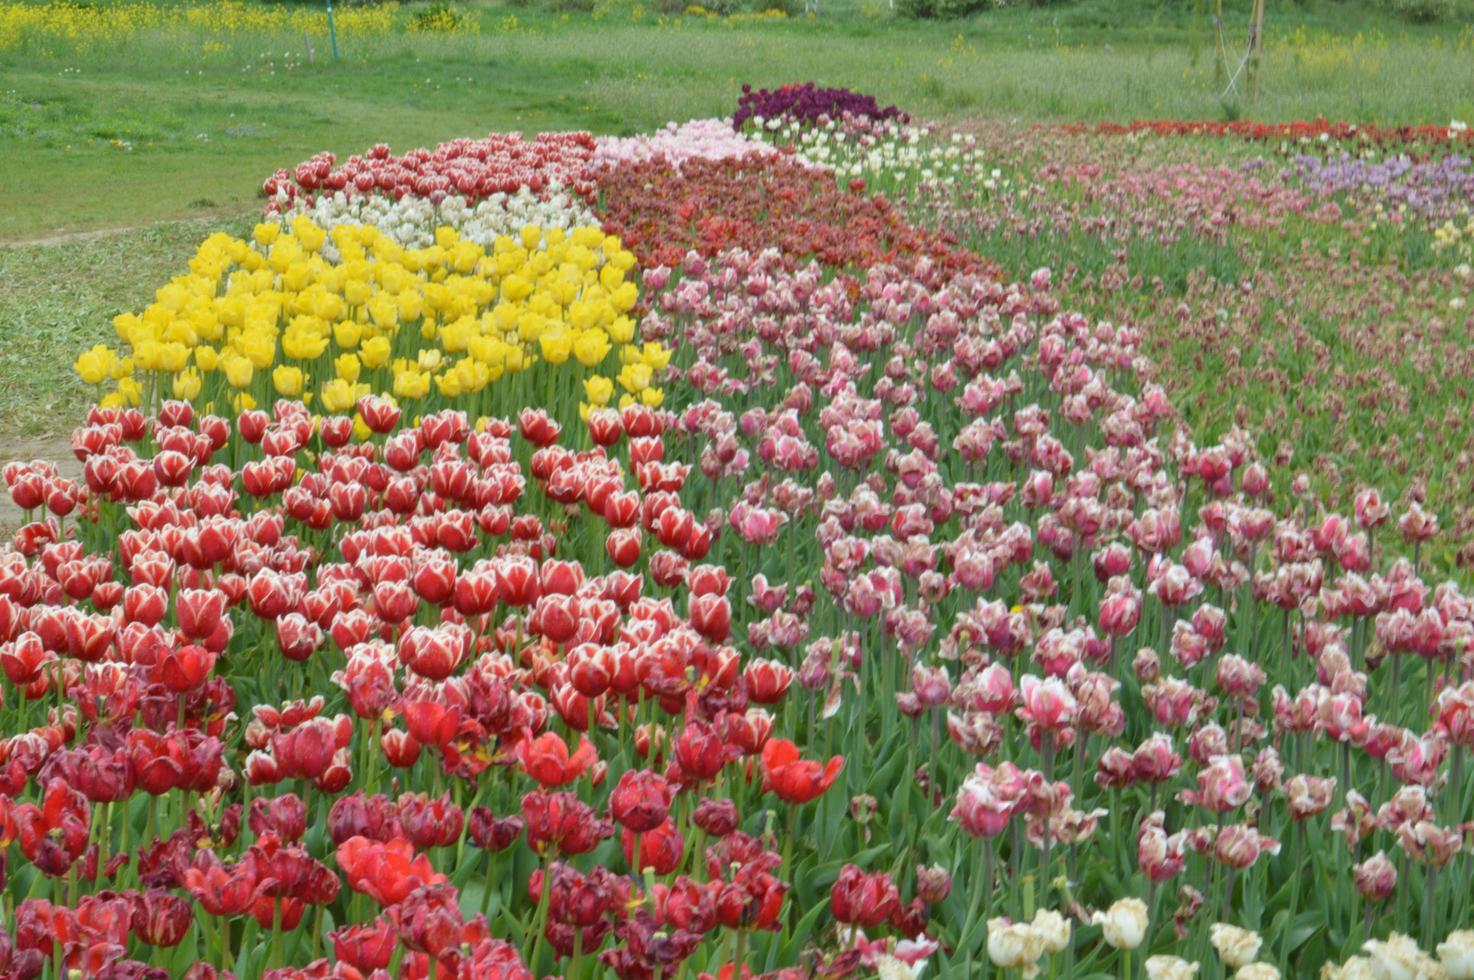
63	237
92	234
53	449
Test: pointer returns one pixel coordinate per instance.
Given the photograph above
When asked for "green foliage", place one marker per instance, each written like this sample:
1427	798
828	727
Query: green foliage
1423	11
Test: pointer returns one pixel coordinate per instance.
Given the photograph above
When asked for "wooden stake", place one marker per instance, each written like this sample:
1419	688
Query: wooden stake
1256	47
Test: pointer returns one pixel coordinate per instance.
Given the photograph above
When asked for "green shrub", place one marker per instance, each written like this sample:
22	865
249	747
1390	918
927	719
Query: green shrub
442	18
1423	11
952	9
917	9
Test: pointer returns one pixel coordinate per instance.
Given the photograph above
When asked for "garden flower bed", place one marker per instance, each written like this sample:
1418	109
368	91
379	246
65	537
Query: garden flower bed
724	573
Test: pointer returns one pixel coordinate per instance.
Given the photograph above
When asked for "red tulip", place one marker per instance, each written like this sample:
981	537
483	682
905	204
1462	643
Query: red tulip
641	800
185	668
547	759
386	872
793	779
660	848
863	900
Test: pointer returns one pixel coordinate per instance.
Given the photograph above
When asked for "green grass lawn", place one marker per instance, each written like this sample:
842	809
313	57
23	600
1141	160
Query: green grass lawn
187	123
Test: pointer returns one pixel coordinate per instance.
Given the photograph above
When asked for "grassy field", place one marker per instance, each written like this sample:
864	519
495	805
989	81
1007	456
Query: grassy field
186	121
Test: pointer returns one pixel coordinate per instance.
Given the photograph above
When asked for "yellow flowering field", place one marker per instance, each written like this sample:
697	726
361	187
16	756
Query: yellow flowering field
78	26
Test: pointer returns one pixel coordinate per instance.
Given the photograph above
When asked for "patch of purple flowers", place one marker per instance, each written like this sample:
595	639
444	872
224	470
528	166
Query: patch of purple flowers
808	103
1437	189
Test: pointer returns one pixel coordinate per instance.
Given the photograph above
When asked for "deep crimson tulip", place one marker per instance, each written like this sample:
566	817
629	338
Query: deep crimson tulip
285	816
101	775
54	834
430	822
367	946
158	761
641	800
793	779
375	817
546	759
307	750
284	913
717	818
861	899
491	833
161	919
701	752
562	821
185	668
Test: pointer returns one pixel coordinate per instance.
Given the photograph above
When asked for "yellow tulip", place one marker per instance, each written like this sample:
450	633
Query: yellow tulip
288	381
635	377
96	365
238	372
187	384
374	352
411	384
591	347
131	391
338	396
622	330
347	367
598	389
555	346
308	233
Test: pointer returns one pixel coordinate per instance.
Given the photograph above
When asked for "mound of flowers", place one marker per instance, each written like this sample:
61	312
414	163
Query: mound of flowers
757	202
884	623
283	315
809	103
698	139
501	163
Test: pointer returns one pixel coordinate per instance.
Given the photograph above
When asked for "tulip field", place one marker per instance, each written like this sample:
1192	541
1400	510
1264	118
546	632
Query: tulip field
816	542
